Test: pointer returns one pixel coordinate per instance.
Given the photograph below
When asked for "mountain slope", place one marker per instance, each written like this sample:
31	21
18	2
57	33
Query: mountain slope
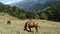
35	4
50	3
26	4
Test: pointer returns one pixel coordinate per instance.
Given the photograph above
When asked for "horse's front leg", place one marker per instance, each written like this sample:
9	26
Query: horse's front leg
25	27
29	28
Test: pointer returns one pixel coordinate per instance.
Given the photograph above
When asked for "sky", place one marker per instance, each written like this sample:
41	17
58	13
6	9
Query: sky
9	1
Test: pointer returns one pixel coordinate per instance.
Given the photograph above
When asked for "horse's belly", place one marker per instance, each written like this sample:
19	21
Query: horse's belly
32	26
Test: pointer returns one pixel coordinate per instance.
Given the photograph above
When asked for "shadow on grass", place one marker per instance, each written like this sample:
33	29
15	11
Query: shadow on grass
29	31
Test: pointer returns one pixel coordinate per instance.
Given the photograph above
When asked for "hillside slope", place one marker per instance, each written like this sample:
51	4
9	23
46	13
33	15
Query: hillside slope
17	26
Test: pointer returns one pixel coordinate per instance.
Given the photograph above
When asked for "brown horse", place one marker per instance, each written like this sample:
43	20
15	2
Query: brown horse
8	22
31	24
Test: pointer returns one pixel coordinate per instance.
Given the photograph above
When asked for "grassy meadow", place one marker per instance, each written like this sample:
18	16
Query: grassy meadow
17	26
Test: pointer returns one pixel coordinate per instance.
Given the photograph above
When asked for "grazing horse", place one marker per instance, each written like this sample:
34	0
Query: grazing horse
8	22
31	24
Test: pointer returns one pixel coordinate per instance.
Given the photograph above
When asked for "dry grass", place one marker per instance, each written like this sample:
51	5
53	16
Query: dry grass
17	26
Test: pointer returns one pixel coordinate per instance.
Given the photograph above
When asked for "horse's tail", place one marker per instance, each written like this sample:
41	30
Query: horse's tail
25	26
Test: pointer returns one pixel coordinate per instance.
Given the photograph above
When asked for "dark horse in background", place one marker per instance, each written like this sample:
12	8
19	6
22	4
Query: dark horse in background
31	24
8	22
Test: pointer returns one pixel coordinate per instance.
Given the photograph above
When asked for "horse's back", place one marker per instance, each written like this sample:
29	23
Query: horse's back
32	23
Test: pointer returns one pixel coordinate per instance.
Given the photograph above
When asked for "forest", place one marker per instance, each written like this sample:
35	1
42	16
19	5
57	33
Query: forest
49	13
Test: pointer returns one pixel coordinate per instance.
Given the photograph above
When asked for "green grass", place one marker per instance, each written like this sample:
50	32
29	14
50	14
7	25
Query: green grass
17	26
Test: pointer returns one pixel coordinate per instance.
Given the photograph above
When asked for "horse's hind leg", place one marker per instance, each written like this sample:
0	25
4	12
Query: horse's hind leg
36	29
